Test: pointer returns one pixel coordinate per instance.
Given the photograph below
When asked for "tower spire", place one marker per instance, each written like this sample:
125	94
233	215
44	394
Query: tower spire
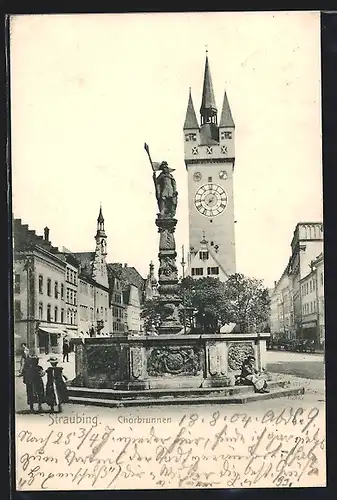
100	215
208	109
226	119
191	121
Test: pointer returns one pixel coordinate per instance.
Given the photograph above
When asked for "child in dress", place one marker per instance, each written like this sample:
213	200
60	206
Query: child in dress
56	389
32	376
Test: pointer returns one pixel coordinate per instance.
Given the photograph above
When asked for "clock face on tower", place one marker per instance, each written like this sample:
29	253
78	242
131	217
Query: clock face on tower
210	200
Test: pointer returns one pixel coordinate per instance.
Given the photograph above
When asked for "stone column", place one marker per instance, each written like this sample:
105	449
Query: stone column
168	276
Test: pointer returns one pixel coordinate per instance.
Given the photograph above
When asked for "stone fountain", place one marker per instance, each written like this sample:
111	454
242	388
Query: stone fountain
152	369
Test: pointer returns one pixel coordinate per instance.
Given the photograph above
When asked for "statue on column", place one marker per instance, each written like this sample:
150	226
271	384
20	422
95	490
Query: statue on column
166	187
167	197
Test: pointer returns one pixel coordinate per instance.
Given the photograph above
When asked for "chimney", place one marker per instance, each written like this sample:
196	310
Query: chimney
46	233
125	265
275	283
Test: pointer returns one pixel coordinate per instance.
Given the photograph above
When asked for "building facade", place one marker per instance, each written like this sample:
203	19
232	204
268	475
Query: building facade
312	293
281	307
132	289
209	158
297	300
39	291
306	245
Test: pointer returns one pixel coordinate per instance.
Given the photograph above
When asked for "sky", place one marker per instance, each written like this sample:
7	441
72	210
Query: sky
88	90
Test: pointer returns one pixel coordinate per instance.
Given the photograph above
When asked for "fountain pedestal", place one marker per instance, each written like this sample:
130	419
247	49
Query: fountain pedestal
168	277
165	361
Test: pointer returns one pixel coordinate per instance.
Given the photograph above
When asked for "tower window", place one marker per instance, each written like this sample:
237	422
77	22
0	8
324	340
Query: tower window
210	179
212	270
212	243
226	135
203	255
197	271
190	137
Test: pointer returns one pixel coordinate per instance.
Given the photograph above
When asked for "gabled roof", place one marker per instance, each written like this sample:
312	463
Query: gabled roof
203	246
208	100
191	121
85	259
226	119
128	275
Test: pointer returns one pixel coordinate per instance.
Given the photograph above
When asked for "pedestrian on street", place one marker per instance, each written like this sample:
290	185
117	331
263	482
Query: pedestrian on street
32	378
251	375
24	353
56	389
66	349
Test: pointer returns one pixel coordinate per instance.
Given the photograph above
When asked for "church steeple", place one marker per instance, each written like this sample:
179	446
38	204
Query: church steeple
100	234
100	221
191	121
208	109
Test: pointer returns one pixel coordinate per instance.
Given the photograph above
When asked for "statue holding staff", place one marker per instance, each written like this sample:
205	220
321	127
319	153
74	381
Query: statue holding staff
165	185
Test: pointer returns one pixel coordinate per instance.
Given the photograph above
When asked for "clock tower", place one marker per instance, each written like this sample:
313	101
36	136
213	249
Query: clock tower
209	159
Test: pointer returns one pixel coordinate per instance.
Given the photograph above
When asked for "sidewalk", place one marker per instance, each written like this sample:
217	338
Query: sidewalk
68	368
20	398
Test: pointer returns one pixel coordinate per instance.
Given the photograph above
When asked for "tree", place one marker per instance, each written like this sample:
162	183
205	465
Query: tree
152	313
207	297
248	301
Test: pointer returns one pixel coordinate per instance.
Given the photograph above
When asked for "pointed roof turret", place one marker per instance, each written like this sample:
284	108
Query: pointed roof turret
100	215
226	119
208	100
191	121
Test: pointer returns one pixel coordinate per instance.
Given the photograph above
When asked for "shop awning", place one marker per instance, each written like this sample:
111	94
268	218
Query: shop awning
71	334
309	325
57	331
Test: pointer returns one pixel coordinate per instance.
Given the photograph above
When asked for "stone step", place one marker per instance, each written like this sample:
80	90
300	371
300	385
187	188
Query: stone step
160	393
173	399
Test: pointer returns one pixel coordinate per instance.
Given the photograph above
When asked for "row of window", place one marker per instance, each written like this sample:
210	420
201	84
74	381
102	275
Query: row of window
71	296
309	287
71	276
309	307
117	312
49	288
117	298
193	137
203	255
117	326
199	271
